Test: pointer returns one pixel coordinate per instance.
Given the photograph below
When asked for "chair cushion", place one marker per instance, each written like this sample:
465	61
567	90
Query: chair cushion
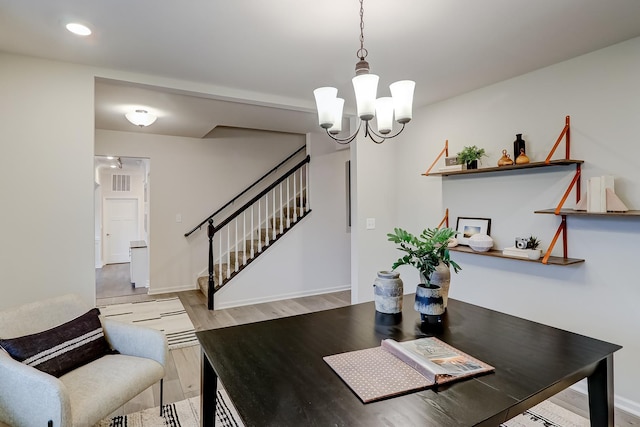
61	349
100	387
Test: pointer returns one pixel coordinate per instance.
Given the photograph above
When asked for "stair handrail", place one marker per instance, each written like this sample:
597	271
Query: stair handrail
244	207
230	202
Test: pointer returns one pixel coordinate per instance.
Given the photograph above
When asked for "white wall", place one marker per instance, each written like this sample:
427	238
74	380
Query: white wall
193	177
46	181
314	256
599	298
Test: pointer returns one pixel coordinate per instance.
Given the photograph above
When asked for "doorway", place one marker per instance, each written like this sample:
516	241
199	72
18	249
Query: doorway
121	218
120	227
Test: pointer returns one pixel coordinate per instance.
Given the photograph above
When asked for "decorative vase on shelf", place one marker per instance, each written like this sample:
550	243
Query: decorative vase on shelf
388	292
442	277
472	164
505	160
518	146
522	159
480	242
428	301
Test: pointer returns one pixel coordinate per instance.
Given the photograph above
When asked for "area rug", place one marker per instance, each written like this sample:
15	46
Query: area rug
186	414
547	414
180	414
167	315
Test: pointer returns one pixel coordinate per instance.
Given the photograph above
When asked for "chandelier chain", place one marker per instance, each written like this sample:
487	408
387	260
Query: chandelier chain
362	52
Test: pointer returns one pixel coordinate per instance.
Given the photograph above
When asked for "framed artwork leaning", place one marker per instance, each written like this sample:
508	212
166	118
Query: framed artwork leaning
467	227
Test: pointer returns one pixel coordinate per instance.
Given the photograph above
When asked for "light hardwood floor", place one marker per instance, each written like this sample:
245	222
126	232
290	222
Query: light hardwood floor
183	371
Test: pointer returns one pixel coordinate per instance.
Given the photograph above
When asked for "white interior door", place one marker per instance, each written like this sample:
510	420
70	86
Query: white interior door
121	227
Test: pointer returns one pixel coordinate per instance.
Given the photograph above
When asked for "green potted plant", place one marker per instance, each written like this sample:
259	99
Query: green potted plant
532	246
429	254
470	156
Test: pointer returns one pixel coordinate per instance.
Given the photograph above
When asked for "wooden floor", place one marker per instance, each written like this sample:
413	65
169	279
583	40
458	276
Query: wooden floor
183	371
113	280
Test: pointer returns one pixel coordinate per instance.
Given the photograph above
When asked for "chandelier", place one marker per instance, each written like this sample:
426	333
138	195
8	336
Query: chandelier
365	86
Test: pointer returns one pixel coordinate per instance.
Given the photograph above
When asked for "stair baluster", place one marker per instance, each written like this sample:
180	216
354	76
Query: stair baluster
281	218
252	239
301	193
266	219
295	209
306	198
273	221
220	260
288	198
259	228
235	243
244	237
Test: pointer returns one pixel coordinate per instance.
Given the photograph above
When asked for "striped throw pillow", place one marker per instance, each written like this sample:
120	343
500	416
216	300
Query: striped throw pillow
61	349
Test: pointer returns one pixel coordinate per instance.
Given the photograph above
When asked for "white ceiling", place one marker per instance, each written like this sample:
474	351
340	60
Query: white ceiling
283	49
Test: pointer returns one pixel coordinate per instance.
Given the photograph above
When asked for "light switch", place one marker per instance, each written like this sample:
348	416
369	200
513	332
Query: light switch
178	217
371	223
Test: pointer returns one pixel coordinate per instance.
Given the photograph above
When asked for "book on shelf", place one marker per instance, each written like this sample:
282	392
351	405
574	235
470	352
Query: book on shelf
397	368
513	251
450	168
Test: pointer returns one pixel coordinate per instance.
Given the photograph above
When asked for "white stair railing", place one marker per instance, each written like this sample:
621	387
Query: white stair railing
235	239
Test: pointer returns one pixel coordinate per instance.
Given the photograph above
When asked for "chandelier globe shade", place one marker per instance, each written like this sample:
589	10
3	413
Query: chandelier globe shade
368	106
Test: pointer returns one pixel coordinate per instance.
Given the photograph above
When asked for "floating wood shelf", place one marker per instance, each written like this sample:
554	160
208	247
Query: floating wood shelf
553	260
533	165
572	212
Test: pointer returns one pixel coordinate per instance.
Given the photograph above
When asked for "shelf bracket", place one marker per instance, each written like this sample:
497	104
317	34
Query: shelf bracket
562	229
575	182
566	133
445	220
445	152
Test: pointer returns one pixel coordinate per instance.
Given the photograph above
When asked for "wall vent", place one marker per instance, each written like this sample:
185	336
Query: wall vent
121	183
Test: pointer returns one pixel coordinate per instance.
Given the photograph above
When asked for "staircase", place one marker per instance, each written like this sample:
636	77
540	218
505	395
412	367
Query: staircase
249	231
234	262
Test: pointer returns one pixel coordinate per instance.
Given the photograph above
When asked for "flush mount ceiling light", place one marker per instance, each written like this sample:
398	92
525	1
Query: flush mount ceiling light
365	86
117	164
140	118
78	29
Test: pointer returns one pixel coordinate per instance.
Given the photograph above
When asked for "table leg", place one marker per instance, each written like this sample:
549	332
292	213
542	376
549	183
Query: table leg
208	394
600	385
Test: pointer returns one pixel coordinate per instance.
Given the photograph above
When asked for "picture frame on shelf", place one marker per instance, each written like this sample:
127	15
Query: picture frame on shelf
467	227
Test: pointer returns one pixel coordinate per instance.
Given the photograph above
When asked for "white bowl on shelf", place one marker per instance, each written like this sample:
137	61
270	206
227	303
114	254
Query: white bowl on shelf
480	242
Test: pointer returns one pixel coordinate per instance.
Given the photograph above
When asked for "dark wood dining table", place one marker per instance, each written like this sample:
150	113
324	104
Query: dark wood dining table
274	373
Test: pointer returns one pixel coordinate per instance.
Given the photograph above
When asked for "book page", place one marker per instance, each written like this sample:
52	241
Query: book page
435	359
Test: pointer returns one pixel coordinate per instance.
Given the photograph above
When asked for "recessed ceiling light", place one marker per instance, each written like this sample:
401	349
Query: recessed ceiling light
79	29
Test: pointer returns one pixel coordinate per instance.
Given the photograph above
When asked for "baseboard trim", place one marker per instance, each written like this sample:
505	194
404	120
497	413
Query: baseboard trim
154	291
622	403
270	298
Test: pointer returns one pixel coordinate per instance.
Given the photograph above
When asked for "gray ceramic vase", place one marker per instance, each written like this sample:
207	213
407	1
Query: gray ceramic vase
388	292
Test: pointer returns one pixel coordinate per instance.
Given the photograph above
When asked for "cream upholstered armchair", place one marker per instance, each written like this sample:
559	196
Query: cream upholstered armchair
87	380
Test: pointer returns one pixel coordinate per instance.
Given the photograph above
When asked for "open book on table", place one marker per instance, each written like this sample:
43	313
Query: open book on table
399	367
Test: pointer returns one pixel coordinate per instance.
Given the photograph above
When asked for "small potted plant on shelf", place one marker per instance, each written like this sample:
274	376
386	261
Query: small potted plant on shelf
532	247
429	254
470	156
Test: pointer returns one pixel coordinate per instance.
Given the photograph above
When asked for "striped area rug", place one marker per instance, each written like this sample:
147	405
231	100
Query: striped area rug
547	414
185	413
167	315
